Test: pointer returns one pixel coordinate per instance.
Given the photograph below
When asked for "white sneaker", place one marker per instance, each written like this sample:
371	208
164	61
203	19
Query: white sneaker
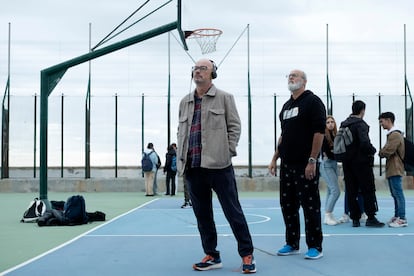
345	218
392	220
330	220
399	223
363	218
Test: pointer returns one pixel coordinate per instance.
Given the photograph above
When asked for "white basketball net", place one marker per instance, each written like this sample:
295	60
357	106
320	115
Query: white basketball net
206	39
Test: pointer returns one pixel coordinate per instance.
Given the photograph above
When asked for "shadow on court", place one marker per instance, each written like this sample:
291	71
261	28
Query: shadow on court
159	238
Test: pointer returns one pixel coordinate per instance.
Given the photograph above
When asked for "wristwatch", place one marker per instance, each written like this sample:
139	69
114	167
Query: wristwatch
311	160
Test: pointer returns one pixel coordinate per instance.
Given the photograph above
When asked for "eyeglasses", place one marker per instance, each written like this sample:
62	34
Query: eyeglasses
201	68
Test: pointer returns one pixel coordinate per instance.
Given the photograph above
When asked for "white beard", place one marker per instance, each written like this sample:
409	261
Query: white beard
295	86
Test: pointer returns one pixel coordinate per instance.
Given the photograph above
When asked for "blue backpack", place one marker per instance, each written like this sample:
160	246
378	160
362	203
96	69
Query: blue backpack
146	162
174	163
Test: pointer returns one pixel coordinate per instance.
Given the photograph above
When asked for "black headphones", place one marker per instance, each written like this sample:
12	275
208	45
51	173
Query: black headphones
213	72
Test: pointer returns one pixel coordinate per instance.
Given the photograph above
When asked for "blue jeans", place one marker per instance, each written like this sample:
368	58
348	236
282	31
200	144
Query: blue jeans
360	203
395	183
155	185
329	172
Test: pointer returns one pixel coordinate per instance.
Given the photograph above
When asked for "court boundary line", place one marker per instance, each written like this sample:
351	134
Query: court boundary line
74	239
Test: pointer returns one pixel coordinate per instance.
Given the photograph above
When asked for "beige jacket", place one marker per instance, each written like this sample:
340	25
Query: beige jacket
393	149
220	129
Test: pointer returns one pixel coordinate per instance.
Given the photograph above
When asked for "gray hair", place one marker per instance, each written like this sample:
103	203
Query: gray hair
304	76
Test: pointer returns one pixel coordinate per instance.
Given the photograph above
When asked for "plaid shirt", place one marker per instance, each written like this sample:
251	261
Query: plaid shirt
194	143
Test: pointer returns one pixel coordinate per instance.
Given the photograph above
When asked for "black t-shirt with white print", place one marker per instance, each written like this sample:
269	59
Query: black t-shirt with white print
300	119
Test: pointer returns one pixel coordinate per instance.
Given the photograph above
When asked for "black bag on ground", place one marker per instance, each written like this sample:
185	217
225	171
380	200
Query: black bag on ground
71	212
58	205
48	219
96	216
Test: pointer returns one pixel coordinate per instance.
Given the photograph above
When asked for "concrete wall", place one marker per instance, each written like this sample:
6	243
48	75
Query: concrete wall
130	180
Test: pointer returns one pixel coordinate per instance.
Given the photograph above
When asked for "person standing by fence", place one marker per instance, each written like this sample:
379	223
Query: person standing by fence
149	167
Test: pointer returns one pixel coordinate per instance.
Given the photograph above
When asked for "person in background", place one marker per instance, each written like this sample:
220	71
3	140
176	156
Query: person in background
208	132
358	168
157	166
329	171
303	122
393	151
149	176
345	217
170	169
187	201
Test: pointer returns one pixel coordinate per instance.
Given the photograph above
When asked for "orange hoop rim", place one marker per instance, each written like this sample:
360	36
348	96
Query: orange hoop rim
199	32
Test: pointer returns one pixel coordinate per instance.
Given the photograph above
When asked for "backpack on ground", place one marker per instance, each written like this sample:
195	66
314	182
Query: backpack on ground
174	163
146	162
69	213
74	212
342	140
34	211
96	216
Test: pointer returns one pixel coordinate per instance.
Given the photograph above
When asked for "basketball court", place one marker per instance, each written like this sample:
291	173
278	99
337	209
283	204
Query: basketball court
159	238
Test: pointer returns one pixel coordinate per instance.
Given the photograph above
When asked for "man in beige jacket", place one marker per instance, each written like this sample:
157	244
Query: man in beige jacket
394	150
208	133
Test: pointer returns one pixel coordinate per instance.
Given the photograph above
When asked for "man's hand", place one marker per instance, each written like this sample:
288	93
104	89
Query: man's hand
273	167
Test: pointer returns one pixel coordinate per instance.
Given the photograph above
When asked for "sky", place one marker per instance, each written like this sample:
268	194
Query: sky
262	40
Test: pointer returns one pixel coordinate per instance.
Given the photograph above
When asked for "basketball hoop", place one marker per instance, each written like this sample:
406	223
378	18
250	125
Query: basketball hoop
206	38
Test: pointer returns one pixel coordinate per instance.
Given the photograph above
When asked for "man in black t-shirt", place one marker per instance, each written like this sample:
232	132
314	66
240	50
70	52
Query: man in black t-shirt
302	120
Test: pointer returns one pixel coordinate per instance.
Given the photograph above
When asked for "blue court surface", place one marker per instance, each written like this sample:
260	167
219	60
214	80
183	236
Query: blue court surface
159	238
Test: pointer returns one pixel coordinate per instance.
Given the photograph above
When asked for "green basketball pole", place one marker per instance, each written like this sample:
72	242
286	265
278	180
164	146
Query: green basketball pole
51	76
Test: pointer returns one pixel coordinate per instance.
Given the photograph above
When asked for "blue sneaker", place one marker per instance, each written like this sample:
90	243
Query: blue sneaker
207	263
287	250
313	254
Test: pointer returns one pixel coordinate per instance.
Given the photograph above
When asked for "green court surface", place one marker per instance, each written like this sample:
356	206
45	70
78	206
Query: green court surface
22	241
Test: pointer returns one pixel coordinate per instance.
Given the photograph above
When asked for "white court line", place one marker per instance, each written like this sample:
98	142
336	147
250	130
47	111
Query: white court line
253	235
262	220
74	239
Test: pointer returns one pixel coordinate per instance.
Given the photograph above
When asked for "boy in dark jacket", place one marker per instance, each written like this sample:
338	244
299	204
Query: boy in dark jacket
357	166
